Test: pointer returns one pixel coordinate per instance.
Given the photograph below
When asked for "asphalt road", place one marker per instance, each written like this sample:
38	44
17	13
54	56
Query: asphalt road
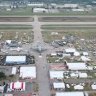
41	63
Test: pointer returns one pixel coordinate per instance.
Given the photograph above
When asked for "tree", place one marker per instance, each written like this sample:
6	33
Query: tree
2	75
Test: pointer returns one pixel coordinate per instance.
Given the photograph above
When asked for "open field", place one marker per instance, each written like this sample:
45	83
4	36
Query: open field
16	19
23	35
15	26
72	26
81	33
67	19
28	12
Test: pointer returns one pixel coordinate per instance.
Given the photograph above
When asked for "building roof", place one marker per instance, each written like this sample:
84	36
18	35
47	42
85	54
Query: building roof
8	95
71	5
15	59
70	50
59	85
8	41
78	87
73	74
85	53
77	66
1	88
93	86
83	75
13	70
84	58
56	74
69	94
17	85
81	9
28	72
76	53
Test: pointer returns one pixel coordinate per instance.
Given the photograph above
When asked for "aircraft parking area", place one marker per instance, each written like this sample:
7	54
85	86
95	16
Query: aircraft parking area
56	35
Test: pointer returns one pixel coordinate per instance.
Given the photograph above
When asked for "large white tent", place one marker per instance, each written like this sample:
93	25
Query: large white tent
69	94
56	74
15	59
59	85
17	86
77	66
28	72
14	70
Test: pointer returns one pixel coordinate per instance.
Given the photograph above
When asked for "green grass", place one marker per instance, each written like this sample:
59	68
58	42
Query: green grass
23	35
81	33
6	27
28	12
62	27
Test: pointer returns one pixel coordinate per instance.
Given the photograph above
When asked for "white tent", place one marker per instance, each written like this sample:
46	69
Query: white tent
13	70
78	87
70	5
74	75
59	85
28	72
93	86
84	58
8	95
17	86
76	53
83	75
15	59
69	94
70	50
85	53
56	74
77	66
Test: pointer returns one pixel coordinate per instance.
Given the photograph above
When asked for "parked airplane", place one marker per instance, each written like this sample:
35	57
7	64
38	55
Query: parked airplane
39	47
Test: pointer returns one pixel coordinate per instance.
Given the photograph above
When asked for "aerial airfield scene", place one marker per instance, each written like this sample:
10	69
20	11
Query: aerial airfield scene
47	47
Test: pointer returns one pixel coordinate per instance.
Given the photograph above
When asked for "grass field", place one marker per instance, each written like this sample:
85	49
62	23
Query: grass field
23	35
62	27
7	26
81	33
28	12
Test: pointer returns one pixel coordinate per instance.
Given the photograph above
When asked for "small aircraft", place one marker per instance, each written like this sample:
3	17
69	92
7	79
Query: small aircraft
39	47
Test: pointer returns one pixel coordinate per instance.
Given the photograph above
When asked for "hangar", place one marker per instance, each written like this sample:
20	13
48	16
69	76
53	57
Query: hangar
15	60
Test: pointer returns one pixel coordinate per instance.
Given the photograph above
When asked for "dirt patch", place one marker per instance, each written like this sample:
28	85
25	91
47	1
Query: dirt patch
16	19
67	19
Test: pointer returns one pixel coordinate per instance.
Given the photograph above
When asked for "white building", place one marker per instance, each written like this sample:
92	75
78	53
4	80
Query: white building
70	5
28	72
93	86
84	58
83	75
78	87
76	53
8	95
77	66
35	4
85	53
66	6
70	50
17	86
69	94
14	70
15	59
74	75
1	89
56	74
40	10
60	85
78	10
